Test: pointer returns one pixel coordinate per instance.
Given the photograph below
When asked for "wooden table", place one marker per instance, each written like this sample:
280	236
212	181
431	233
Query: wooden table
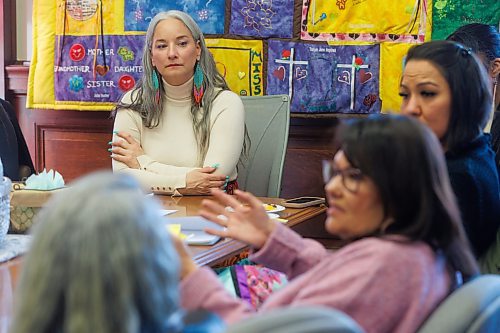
203	255
227	248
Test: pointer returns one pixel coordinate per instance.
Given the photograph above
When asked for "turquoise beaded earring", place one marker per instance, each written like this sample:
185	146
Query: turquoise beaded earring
198	84
156	85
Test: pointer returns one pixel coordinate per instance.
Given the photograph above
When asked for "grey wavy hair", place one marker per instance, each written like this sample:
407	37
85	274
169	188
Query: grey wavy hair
100	261
143	96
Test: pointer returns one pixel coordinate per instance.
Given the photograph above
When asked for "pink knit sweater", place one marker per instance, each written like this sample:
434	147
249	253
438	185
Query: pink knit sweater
384	284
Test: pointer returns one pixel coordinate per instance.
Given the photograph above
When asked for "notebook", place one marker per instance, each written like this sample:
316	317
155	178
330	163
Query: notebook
193	226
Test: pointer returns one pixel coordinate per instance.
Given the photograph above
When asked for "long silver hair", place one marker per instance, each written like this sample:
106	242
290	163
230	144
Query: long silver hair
143	96
100	261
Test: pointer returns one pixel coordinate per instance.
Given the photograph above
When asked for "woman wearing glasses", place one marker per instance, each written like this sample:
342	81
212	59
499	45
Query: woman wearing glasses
390	195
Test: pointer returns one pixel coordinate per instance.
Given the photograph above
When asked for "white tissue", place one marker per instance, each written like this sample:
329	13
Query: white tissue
45	181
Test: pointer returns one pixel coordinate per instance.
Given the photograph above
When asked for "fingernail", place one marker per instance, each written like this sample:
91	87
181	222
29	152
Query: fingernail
216	165
227	177
110	149
110	142
115	132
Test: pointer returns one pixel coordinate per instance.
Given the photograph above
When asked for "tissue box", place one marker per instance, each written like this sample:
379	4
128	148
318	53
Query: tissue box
24	205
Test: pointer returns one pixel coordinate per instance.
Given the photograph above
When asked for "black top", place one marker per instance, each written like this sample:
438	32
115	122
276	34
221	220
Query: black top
495	137
13	148
474	179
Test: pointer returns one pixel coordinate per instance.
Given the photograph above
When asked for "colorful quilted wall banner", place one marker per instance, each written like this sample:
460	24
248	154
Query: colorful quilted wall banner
338	56
448	15
241	64
265	18
360	20
324	78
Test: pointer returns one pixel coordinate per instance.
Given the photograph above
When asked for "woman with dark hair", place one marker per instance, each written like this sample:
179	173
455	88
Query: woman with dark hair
388	191
180	130
102	261
446	87
484	40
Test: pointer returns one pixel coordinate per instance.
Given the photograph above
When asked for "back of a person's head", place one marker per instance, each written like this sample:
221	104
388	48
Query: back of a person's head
471	100
405	161
100	261
481	38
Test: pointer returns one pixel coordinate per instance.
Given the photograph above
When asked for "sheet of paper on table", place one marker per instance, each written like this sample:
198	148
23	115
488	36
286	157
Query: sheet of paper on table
165	212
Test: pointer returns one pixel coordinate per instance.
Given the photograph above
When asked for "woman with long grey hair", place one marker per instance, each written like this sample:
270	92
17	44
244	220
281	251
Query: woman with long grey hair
180	130
100	261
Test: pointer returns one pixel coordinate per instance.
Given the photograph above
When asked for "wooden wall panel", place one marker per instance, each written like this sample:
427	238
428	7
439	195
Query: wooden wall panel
73	151
310	141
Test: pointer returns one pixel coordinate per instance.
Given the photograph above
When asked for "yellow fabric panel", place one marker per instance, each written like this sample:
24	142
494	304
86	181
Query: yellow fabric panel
391	68
362	16
41	92
428	22
241	63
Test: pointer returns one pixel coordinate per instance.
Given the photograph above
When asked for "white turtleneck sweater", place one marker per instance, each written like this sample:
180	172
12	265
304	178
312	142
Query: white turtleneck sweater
171	150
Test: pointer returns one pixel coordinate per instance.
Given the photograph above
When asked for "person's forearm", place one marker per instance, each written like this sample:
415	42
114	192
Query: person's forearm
287	252
161	184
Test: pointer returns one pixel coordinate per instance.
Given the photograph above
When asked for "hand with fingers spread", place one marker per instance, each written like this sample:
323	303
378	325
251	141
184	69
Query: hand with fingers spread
201	181
247	221
126	150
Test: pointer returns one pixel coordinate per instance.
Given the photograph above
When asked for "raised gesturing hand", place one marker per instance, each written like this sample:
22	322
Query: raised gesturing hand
244	219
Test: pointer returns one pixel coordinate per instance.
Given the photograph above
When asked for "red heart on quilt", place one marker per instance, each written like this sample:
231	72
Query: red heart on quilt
77	52
365	76
126	82
280	73
102	70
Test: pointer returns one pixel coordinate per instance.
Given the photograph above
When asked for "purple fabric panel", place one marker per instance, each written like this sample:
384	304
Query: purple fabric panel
76	78
242	282
264	18
321	82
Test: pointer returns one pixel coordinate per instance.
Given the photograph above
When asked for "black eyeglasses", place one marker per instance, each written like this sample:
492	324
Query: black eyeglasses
351	177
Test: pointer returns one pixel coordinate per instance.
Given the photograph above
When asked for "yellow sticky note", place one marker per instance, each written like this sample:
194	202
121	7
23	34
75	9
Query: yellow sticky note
175	229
